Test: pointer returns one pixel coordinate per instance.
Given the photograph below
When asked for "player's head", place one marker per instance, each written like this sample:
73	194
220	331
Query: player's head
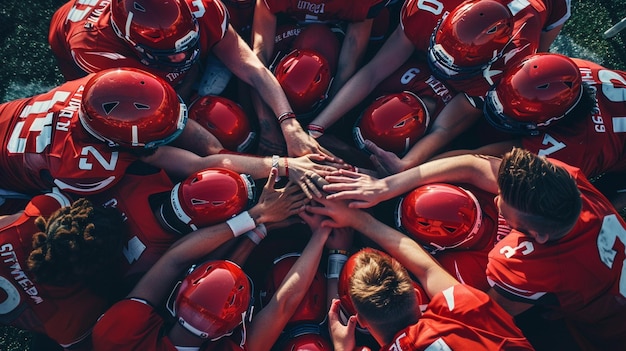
213	299
534	94
163	33
76	243
312	308
205	198
226	120
469	38
394	122
441	216
305	77
131	108
379	290
537	197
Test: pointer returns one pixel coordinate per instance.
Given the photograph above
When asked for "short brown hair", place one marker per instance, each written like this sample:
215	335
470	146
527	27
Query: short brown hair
547	193
382	292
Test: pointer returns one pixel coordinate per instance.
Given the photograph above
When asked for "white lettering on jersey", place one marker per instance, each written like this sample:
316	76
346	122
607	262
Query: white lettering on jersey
526	246
310	7
108	165
433	6
12	296
9	258
199	12
438	345
612	231
396	343
555	145
134	249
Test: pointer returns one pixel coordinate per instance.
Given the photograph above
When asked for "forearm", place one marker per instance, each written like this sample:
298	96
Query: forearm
474	169
352	52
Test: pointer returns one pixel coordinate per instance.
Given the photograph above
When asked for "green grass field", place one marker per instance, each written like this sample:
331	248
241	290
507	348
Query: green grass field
28	67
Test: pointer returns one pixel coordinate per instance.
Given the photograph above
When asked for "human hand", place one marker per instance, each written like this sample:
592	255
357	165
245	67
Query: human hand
341	335
360	190
275	205
299	142
315	223
308	172
338	214
386	162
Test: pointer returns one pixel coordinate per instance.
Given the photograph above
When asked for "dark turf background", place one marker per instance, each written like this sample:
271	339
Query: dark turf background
28	67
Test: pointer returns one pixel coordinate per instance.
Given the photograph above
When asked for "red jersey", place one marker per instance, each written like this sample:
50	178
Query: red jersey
147	240
595	144
133	324
419	18
314	11
579	276
82	39
461	318
44	145
63	313
415	76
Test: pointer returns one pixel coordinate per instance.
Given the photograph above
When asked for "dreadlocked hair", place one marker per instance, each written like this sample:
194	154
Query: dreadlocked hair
76	243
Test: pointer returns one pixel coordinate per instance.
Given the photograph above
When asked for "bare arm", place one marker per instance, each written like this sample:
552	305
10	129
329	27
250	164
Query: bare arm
272	206
366	191
495	149
198	139
453	120
547	38
396	50
267	325
410	254
352	52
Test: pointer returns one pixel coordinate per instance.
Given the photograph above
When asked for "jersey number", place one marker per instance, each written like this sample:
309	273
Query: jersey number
612	231
433	6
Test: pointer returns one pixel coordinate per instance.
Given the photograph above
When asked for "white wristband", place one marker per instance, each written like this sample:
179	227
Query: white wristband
241	223
257	234
335	264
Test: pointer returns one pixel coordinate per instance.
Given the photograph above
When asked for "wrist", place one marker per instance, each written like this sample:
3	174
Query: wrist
315	130
336	261
241	223
257	234
286	116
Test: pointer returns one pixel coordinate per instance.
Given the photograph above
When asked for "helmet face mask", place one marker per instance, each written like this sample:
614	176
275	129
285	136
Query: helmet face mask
469	39
165	35
539	91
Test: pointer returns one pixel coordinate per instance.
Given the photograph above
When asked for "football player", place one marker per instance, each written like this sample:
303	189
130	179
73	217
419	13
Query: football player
171	39
386	302
59	263
215	298
560	223
467	46
82	136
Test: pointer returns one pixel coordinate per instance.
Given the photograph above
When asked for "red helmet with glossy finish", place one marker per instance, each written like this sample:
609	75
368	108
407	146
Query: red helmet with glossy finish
131	108
225	119
213	299
441	216
312	308
158	30
468	39
305	77
537	92
207	197
394	122
307	342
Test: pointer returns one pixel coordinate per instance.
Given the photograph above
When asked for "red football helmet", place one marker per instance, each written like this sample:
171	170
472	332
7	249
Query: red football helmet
441	216
394	122
213	299
158	30
312	309
305	77
469	38
307	342
225	119
205	198
131	108
540	90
